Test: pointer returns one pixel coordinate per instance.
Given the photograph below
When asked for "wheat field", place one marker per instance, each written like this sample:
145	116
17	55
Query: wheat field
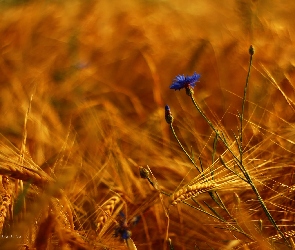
87	160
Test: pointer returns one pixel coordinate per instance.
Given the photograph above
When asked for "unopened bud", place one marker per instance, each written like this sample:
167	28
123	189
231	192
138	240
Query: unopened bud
144	173
251	50
168	115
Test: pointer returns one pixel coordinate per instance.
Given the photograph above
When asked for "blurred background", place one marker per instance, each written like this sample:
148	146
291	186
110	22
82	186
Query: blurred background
97	75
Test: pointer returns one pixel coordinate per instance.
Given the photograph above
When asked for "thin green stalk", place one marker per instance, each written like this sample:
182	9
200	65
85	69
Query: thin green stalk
214	211
201	112
218	218
238	144
238	229
225	208
223	163
173	132
245	172
213	154
251	51
213	128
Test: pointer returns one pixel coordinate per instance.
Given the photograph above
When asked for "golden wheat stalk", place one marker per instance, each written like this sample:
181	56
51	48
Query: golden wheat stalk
4	204
190	191
36	177
107	210
63	212
199	186
5	201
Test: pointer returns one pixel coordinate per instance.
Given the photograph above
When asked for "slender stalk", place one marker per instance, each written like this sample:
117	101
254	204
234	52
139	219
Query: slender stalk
223	163
190	93
225	208
251	52
213	155
218	218
246	174
173	132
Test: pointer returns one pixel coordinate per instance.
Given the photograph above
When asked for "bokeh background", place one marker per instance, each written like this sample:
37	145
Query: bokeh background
97	77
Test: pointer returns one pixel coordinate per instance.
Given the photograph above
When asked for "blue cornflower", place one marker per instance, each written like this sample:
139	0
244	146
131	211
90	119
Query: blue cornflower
122	229
182	81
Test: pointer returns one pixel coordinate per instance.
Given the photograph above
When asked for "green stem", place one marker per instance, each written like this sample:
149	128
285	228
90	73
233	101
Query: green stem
251	50
173	132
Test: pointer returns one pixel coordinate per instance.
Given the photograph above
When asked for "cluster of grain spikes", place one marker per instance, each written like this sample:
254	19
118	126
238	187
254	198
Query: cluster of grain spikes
49	215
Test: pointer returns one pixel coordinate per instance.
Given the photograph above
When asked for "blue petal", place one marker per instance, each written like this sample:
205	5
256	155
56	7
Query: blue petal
182	81
176	86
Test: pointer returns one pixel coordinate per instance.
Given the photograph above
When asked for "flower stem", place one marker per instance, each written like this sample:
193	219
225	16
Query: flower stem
251	51
193	162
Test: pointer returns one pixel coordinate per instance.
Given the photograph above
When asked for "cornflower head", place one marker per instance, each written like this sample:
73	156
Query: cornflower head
122	230
168	115
187	82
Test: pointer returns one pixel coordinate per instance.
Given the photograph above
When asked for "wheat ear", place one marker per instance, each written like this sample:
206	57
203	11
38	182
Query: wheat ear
36	177
5	201
106	211
190	191
4	204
